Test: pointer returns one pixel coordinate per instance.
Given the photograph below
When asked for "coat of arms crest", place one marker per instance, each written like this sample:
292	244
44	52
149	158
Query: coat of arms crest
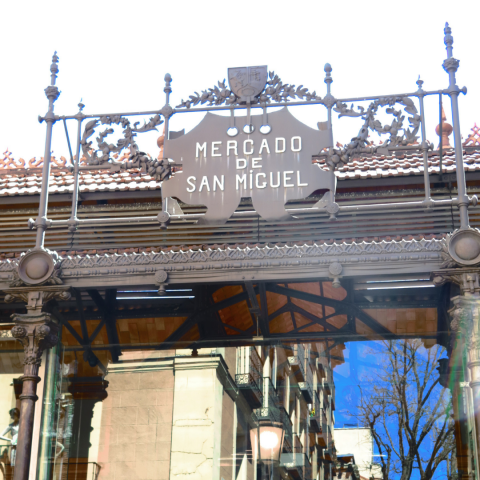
247	82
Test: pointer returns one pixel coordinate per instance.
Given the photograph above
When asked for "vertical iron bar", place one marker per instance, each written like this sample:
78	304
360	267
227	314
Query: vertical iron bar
52	94
426	179
68	140
76	172
168	90
440	107
450	65
328	80
329	102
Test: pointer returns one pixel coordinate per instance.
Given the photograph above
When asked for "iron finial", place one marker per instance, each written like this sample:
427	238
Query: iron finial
81	105
54	68
168	81
328	76
419	82
168	88
52	91
328	72
448	40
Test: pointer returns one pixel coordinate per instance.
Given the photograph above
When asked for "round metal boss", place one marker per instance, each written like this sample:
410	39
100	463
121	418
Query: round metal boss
35	267
464	247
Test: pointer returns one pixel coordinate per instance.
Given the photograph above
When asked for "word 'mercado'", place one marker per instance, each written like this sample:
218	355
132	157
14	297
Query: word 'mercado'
252	178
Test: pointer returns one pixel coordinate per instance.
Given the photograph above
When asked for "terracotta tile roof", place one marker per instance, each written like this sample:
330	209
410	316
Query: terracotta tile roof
27	182
61	181
403	165
18	177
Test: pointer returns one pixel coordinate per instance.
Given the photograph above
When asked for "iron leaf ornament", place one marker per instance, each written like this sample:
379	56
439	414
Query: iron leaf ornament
275	91
399	135
102	155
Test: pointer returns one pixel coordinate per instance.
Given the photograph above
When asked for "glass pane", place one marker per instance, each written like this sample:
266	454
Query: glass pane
390	401
11	369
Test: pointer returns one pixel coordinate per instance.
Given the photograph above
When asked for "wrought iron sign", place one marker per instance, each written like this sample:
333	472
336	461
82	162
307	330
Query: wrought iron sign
271	168
265	156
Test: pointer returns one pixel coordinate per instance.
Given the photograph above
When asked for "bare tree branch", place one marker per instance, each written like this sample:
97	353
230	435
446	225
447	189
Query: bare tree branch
407	411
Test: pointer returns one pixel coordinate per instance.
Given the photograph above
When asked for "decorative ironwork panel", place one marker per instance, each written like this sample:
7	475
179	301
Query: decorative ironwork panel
249	375
297	362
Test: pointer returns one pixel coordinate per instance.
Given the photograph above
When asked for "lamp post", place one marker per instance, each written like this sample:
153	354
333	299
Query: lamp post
267	445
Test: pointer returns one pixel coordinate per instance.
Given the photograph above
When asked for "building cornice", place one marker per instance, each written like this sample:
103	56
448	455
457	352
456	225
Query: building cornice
240	263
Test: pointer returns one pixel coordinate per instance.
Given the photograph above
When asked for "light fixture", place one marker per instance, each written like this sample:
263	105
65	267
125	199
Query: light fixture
267	441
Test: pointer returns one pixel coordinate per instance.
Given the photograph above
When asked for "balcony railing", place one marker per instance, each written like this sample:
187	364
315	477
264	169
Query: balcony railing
5	461
297	362
321	370
249	376
288	428
297	464
271	408
323	437
327	387
306	387
315	415
82	470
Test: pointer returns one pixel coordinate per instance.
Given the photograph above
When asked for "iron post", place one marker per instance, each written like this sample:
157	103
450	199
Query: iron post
450	65
328	80
167	112
52	94
329	102
73	220
168	91
426	179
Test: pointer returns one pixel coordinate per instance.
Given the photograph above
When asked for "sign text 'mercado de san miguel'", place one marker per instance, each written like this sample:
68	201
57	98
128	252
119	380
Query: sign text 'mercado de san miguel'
218	170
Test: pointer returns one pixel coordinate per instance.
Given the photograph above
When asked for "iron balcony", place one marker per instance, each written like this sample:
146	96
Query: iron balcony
297	362
315	415
249	376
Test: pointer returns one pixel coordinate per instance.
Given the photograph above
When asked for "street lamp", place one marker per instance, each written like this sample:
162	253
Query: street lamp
267	443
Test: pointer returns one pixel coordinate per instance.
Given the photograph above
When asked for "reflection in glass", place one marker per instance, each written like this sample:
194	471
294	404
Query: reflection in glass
322	410
393	413
12	430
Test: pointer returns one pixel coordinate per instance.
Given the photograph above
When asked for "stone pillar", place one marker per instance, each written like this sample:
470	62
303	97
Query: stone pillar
37	332
467	315
465	327
456	379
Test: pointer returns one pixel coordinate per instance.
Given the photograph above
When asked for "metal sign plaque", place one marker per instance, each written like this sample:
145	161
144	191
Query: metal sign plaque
218	170
247	82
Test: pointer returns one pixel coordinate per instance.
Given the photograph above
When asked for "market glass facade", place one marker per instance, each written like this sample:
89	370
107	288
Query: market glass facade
318	410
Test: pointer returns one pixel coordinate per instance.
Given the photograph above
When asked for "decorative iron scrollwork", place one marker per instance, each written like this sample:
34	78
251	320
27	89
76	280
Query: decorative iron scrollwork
102	154
159	169
275	91
399	135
